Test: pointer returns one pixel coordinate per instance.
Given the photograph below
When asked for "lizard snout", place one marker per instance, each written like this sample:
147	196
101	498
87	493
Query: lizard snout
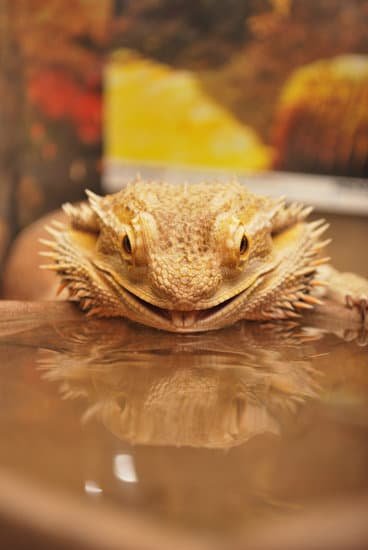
184	285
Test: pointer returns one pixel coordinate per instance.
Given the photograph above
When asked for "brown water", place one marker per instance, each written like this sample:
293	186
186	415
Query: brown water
215	432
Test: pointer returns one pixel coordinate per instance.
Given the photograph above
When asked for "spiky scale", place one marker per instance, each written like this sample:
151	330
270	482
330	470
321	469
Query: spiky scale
303	305
312	300
320	261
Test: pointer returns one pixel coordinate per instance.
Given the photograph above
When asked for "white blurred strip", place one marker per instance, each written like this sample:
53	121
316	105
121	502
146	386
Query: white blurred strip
92	488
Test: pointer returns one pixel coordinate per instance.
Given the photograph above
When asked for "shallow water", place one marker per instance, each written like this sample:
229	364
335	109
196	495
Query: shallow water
218	432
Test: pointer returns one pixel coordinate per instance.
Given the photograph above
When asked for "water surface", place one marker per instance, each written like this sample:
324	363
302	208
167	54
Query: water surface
211	433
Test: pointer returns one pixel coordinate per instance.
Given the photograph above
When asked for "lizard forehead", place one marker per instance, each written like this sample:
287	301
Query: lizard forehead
185	214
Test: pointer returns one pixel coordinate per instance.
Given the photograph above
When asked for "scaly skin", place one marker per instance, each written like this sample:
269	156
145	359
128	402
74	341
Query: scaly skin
191	257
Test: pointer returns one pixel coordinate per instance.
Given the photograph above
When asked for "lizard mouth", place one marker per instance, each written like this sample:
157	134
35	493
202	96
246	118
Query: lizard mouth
185	319
178	320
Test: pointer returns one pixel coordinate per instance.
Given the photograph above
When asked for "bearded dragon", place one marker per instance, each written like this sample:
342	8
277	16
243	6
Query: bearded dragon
195	257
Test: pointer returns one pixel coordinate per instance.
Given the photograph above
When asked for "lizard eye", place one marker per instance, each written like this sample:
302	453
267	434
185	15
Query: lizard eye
244	245
127	245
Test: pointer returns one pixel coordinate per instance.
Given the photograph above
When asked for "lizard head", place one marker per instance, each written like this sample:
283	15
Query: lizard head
185	257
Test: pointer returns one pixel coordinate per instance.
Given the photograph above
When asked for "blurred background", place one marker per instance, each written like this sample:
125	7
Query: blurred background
94	93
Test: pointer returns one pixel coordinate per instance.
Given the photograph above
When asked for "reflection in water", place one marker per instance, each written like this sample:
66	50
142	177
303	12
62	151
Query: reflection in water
92	488
124	468
213	431
214	390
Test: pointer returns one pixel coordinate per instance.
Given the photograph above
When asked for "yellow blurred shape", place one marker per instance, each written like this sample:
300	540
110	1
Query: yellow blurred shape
156	114
326	77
